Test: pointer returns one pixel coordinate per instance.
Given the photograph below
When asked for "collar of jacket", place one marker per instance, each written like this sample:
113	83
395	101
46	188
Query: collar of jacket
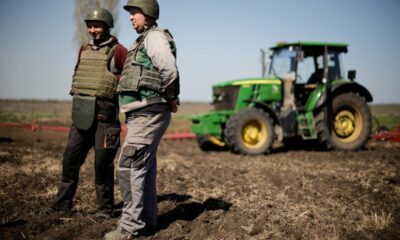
145	32
105	42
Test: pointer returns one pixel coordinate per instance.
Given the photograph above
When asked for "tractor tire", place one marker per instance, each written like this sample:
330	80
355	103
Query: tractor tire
349	123
249	132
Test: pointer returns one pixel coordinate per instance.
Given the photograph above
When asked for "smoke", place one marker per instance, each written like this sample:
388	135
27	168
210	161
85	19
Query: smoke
82	8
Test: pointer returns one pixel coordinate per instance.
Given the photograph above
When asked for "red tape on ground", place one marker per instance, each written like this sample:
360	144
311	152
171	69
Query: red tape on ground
35	127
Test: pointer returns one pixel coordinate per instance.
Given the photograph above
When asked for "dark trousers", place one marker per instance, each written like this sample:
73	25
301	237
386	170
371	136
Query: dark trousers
79	144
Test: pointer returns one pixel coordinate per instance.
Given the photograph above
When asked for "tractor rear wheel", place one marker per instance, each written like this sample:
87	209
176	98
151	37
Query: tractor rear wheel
349	123
249	132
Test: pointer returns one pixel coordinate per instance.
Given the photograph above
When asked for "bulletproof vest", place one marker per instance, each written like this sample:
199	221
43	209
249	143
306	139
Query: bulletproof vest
93	77
139	71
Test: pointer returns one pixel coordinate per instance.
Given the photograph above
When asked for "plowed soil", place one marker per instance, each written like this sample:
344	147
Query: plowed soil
287	194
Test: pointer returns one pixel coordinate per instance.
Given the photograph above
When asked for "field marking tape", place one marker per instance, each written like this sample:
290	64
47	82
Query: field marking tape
35	127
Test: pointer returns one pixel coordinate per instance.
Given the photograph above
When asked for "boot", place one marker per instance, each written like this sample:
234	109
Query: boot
120	234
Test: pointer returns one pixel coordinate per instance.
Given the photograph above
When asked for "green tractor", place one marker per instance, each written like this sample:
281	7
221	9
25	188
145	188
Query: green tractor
305	97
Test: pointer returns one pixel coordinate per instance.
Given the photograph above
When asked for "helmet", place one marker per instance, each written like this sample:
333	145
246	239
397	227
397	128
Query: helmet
100	14
148	7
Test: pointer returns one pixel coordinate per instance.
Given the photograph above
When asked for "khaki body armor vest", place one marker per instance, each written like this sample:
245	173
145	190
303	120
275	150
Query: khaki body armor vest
139	71
93	77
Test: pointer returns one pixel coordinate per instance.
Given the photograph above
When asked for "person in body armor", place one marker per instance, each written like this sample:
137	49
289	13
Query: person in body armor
148	93
94	115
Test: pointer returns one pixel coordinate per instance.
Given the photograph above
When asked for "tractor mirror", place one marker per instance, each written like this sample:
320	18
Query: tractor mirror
351	74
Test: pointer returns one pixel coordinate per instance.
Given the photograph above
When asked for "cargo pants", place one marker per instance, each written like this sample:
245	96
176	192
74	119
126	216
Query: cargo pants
79	144
138	169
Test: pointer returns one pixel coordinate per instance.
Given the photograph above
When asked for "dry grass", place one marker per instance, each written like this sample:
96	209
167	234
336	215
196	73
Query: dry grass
375	222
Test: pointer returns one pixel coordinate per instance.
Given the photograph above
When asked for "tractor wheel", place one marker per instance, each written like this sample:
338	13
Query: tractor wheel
249	132
349	123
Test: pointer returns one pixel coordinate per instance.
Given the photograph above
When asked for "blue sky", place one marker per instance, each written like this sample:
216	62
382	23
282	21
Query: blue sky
216	40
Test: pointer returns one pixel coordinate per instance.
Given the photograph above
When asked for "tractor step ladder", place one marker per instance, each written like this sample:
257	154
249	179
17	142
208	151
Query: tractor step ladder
306	125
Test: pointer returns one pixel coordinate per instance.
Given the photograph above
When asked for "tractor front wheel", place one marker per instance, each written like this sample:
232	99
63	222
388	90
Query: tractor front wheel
249	132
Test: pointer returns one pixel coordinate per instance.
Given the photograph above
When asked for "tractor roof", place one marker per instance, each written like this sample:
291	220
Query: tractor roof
342	47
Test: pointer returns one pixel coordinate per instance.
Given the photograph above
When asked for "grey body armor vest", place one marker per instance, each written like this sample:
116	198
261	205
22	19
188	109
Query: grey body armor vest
136	75
92	77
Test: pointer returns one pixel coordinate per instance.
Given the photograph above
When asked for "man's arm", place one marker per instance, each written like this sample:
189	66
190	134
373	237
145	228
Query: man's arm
120	58
158	48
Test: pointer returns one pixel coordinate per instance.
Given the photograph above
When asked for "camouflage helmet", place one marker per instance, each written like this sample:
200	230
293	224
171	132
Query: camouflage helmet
148	7
100	14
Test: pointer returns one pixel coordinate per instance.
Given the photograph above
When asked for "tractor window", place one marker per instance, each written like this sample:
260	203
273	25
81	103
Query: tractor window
283	62
304	70
334	65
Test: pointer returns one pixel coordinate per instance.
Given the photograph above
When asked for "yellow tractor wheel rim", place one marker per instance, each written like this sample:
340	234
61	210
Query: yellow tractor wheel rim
254	134
347	125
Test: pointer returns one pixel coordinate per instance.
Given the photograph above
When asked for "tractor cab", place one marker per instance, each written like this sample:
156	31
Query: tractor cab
304	66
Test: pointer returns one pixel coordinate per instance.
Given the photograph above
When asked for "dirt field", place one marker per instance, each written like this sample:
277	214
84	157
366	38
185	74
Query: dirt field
288	194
